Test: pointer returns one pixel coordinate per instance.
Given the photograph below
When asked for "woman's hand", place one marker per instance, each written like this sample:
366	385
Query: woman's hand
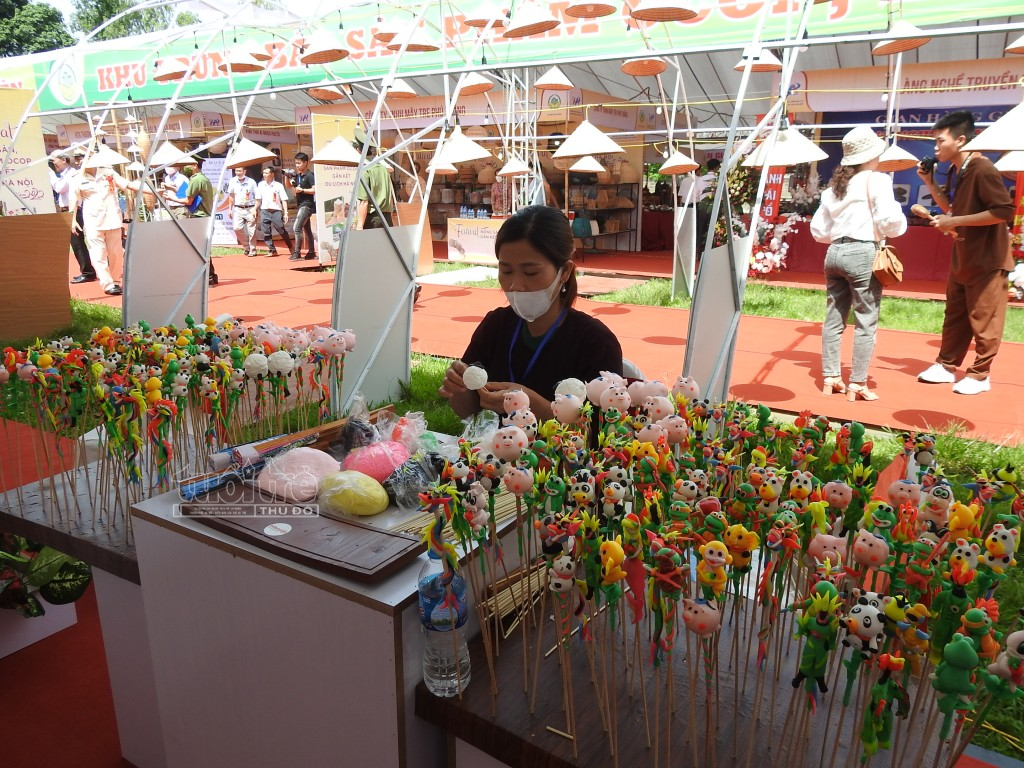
492	397
453	383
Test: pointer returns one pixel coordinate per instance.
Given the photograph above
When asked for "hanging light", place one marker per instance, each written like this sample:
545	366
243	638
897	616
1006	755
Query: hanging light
245	153
790	148
170	69
166	154
486	13
258	51
1004	135
895	158
238	60
399	89
764	60
105	157
134	148
589	10
587	164
418	42
135	165
474	83
1011	162
339	152
386	33
531	18
587	139
441	168
553	80
908	37
323	48
644	67
678	164
662	10
459	148
1017	46
326	92
514	167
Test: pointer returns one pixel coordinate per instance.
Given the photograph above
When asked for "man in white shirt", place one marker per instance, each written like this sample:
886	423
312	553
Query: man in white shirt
272	206
242	191
96	189
62	178
176	183
690	189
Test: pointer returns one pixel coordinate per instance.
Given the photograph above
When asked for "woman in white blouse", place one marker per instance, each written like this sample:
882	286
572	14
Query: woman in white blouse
856	210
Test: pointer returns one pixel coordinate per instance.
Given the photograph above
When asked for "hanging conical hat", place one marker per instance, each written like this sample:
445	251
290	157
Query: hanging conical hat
1005	134
105	157
587	139
167	154
246	153
677	164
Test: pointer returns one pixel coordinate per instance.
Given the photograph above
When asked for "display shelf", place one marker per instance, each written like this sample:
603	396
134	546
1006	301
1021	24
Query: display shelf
601	213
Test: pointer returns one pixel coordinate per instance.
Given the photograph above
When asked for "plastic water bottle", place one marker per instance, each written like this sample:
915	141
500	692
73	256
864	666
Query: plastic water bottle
443	613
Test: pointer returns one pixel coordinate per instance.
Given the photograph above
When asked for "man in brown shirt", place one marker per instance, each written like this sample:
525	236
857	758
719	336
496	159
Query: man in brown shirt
977	207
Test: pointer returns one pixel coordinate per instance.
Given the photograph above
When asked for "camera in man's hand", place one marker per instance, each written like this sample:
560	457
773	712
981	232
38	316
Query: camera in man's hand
927	164
289	171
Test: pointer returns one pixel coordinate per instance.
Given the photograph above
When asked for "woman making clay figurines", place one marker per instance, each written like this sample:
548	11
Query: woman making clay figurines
539	340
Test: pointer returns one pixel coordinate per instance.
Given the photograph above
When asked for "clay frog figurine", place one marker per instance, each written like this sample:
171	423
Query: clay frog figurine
953	679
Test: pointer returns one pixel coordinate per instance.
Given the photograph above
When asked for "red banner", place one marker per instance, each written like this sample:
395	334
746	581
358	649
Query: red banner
772	194
1017	230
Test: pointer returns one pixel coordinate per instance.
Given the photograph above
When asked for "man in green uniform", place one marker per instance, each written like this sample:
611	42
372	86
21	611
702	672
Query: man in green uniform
198	199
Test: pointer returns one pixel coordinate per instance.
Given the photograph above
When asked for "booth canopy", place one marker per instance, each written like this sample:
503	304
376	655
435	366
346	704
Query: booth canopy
589	51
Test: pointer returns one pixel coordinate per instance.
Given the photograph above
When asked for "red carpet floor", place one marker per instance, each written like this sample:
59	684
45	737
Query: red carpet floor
60	709
777	361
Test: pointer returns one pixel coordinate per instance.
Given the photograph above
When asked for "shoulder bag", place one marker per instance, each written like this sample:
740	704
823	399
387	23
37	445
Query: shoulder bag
887	268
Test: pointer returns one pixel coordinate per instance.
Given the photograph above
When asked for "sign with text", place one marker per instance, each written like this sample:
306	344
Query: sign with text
922	86
772	194
473	239
25	187
94	72
334	184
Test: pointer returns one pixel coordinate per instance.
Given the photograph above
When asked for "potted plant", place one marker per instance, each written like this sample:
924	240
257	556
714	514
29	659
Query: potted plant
29	571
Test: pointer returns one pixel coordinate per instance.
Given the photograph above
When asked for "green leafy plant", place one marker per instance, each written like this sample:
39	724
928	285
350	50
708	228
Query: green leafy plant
30	571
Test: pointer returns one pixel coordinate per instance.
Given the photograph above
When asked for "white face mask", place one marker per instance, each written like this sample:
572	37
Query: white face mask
530	305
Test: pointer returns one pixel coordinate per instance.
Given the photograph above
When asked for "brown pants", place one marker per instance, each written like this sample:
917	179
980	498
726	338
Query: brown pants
976	312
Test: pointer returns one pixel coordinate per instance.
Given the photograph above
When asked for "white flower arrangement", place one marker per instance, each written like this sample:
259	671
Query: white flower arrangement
769	251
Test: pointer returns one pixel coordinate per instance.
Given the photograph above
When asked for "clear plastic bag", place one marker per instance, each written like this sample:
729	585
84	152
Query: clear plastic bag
408	481
357	432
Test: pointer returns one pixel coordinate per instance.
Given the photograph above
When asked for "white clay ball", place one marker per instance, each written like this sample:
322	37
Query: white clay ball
474	377
572	387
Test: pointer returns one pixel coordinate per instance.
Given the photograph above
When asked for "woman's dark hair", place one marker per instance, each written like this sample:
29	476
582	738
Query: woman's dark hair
841	178
548	232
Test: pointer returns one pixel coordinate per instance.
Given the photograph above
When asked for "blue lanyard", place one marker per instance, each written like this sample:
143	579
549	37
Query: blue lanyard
543	342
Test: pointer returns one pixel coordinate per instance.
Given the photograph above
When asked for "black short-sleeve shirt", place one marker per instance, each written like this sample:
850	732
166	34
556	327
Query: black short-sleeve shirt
581	347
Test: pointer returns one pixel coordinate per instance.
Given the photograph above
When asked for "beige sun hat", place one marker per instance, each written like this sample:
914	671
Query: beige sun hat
860	145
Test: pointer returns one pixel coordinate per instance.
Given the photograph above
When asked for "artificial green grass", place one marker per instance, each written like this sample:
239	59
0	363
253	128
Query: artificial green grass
85	317
763	300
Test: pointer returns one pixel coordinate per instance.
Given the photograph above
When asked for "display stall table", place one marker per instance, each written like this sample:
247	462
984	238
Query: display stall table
262	658
657	230
924	251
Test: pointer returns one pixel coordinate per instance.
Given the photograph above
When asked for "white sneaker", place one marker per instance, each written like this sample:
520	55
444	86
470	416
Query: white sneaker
969	386
937	374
